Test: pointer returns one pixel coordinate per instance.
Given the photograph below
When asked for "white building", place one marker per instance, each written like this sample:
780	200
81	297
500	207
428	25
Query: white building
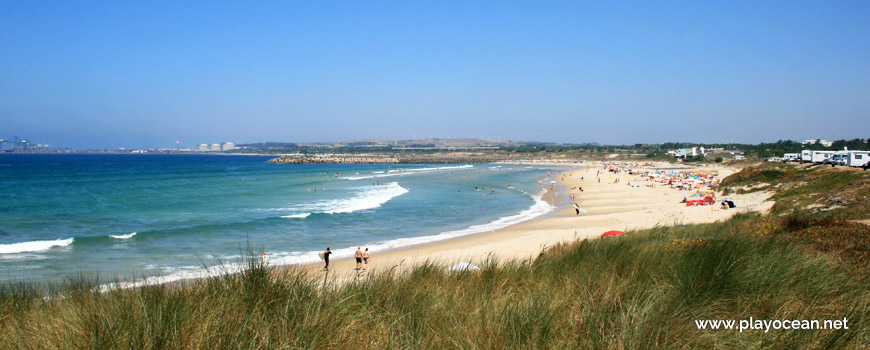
215	147
227	146
202	147
821	142
686	153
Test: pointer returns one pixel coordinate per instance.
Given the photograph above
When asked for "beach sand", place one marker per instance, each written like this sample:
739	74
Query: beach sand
609	206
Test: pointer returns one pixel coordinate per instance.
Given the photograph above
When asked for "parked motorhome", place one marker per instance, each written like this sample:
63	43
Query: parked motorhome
815	156
839	158
791	157
806	156
858	158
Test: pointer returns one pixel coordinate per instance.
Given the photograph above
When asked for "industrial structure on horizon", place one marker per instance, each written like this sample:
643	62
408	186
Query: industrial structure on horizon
222	147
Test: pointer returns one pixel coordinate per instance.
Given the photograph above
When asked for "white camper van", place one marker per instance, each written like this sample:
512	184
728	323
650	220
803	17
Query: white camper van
858	158
815	156
791	157
839	158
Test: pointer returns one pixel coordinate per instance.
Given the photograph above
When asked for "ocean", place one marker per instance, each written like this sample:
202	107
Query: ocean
154	218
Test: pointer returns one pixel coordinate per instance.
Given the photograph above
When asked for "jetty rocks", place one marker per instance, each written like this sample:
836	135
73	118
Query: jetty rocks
373	158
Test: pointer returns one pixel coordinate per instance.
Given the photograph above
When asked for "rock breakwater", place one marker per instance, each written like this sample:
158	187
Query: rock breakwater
371	158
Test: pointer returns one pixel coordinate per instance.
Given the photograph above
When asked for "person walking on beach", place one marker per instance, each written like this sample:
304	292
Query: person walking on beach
359	256
366	259
326	258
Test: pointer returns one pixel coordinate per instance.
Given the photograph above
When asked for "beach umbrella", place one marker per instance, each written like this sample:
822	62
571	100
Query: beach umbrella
611	233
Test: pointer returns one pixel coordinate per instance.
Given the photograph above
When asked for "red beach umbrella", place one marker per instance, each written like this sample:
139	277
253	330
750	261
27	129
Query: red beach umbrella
611	233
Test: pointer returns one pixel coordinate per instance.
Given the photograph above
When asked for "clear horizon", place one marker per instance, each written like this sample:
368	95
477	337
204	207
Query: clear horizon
7	143
105	75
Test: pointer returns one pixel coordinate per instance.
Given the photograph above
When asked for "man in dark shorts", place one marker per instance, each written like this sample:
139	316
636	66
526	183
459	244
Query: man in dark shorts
358	255
326	258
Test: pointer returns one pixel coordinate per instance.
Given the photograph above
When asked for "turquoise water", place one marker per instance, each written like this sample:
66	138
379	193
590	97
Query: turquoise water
158	218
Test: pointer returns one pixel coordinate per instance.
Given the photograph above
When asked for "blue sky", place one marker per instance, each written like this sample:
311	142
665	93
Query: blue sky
89	74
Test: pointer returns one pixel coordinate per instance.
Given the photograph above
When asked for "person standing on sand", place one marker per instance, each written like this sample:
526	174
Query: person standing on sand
359	256
366	259
326	258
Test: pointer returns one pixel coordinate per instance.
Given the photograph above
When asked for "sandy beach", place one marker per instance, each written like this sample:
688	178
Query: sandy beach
609	205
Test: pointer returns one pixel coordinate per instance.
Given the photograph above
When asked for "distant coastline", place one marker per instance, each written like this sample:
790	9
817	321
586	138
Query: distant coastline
378	158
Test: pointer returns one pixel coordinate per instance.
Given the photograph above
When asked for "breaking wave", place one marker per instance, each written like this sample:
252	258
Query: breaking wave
369	197
538	208
127	236
408	172
33	246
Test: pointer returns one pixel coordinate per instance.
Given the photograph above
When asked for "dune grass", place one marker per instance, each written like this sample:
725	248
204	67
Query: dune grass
644	289
640	290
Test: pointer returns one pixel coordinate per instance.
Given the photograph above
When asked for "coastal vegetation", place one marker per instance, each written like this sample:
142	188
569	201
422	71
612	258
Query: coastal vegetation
643	289
505	149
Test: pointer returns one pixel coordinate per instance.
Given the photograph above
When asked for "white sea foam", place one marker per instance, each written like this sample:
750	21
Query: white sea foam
409	172
368	197
540	207
127	236
33	246
175	274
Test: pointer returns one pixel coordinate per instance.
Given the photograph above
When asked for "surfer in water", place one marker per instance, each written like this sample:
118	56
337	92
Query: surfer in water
326	258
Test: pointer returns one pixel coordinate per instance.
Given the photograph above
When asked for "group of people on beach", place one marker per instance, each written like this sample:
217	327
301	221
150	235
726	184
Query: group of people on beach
362	258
